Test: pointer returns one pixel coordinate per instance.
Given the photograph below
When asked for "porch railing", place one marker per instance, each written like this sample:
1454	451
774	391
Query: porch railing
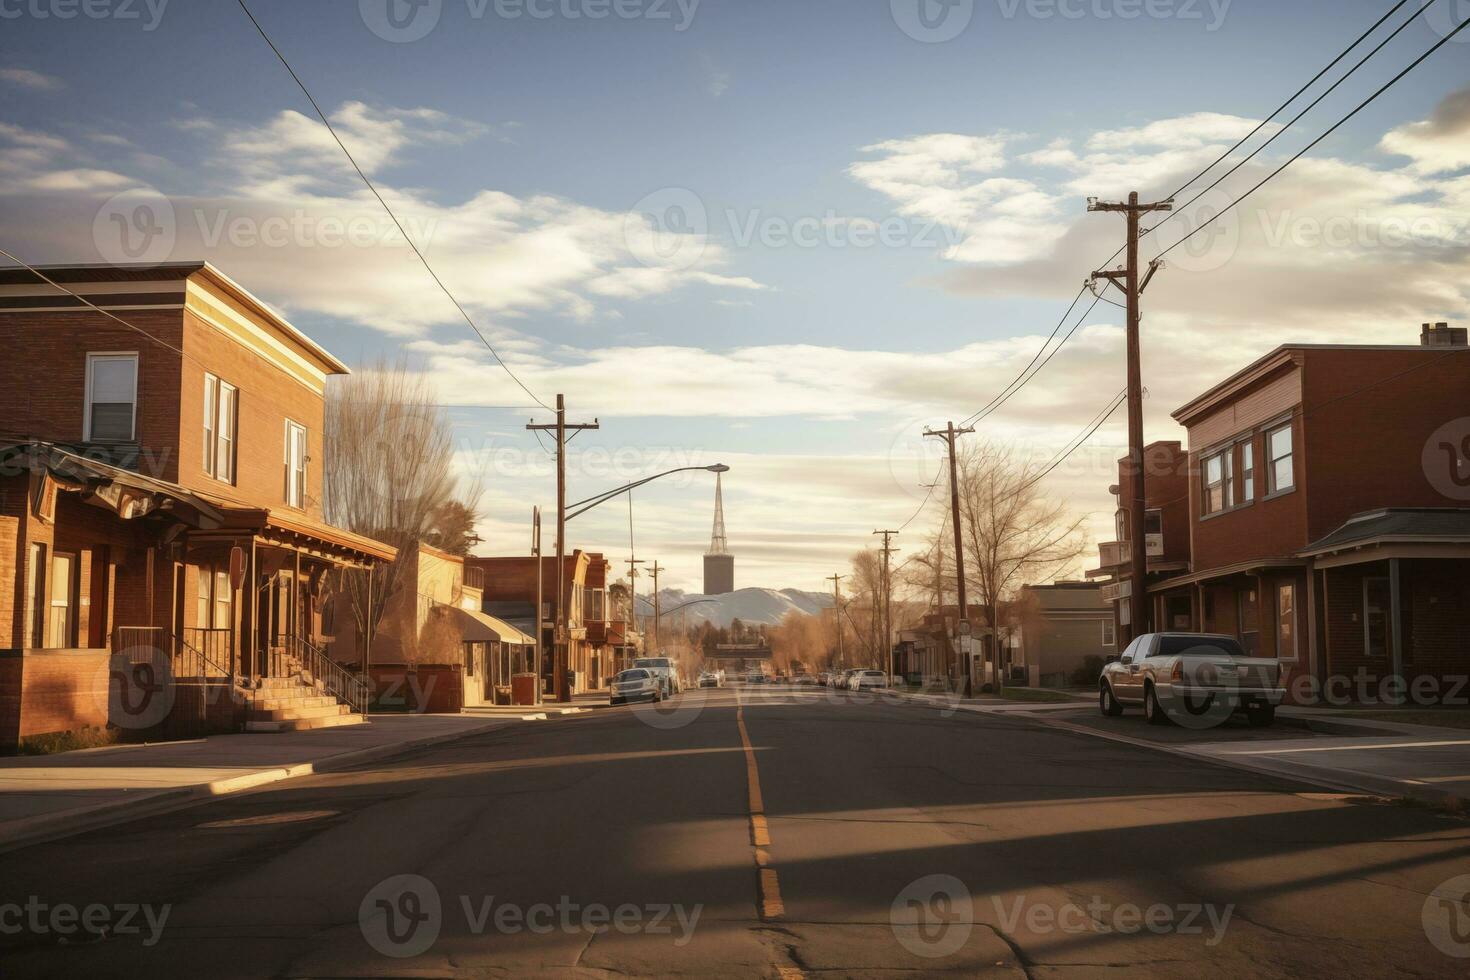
204	653
341	683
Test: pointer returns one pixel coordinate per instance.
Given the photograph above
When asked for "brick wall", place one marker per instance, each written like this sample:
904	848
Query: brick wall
47	691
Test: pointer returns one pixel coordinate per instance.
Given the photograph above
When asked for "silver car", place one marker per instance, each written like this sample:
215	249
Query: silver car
636	684
1194	679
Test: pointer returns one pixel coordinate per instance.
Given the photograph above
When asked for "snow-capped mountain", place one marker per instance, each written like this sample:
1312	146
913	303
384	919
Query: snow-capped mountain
755	606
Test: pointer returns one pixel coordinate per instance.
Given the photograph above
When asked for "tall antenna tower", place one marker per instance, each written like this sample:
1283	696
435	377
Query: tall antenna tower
717	543
719	564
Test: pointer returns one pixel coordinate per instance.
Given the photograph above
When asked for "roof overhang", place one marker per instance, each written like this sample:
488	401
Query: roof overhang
1251	567
479	627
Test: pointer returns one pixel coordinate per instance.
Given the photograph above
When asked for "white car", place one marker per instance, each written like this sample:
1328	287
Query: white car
1181	677
709	679
867	679
636	684
663	669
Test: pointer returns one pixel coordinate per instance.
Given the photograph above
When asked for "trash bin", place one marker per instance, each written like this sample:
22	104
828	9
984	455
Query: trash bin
523	689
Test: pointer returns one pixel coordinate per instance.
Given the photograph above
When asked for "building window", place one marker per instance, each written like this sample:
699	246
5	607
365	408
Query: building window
1109	634
1219	493
1286	622
1279	474
1248	606
112	397
60	602
224	602
201	607
1376	603
35	635
295	465
1247	472
220	420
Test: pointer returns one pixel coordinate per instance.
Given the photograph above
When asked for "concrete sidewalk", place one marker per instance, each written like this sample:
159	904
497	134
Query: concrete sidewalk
45	797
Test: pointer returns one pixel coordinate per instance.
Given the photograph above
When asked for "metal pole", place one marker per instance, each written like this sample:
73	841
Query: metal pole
540	599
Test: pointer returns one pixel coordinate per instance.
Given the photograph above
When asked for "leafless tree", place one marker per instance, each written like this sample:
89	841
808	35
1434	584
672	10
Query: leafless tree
388	474
1013	533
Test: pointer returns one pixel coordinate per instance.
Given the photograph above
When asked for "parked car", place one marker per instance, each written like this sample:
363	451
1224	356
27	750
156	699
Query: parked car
866	679
841	679
803	680
709	678
755	677
663	669
1178	676
637	684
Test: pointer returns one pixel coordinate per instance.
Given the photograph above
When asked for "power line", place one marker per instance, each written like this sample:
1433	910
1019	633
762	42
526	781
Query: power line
1039	351
401	230
1280	132
1078	442
1310	146
1298	94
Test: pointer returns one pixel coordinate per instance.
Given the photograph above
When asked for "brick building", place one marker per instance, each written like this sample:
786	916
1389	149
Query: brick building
1061	626
160	516
1327	513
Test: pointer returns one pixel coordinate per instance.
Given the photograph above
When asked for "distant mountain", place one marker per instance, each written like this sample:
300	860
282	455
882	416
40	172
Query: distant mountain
756	606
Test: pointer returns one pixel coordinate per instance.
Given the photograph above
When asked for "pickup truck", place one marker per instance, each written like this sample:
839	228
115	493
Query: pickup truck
1197	680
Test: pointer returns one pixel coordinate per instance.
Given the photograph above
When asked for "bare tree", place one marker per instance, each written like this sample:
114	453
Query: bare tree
388	475
1013	533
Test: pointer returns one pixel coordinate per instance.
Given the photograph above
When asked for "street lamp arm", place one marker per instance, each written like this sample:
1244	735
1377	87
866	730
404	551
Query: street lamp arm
583	506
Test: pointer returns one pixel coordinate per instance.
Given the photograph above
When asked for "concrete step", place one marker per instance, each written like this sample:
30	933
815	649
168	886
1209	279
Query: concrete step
304	724
290	693
294	704
298	714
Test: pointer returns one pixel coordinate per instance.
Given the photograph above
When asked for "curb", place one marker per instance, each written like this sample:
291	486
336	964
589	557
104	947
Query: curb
40	829
1366	785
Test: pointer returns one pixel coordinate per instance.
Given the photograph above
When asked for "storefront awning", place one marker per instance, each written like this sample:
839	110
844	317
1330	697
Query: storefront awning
478	627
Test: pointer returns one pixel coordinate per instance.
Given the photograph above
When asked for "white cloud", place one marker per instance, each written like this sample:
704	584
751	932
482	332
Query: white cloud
34	80
1439	144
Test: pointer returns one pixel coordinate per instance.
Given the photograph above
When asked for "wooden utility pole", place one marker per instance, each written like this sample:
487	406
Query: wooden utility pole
837	612
1138	604
887	605
562	638
950	435
540	600
654	571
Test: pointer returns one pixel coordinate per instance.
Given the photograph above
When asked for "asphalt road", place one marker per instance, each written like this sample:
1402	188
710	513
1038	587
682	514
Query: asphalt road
851	838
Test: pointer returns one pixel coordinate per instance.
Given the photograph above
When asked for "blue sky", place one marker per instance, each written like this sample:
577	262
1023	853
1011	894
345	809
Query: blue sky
535	151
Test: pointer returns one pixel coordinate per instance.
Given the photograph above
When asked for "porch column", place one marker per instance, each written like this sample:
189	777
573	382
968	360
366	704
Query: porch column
1314	657
1395	623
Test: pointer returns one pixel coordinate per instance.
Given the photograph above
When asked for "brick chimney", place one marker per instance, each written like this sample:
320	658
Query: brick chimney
1442	335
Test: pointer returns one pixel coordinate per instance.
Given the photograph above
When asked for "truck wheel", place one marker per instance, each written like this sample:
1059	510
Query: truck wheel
1107	703
1152	710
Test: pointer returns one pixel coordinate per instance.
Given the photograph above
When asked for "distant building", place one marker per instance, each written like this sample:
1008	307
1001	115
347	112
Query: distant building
719	564
1062	624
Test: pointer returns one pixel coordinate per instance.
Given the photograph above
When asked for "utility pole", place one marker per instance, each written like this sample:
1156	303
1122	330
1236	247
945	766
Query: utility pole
837	612
540	599
563	635
633	564
887	605
655	570
1140	613
949	435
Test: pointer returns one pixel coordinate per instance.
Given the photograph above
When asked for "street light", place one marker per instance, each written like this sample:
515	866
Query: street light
583	506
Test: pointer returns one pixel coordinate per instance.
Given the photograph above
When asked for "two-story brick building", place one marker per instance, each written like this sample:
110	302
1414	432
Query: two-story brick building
1328	514
160	507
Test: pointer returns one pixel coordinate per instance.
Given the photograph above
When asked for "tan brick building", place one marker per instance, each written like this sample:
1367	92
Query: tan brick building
160	512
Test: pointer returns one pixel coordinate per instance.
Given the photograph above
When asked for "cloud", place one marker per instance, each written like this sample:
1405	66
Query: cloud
278	203
716	80
34	80
1439	144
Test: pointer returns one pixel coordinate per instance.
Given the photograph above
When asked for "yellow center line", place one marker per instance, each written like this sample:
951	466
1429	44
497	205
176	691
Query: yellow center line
771	906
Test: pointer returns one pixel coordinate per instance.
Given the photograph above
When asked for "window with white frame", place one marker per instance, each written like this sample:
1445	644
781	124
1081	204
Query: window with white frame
1247	472
112	397
1279	471
220	419
295	464
1286	622
1109	633
1218	479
